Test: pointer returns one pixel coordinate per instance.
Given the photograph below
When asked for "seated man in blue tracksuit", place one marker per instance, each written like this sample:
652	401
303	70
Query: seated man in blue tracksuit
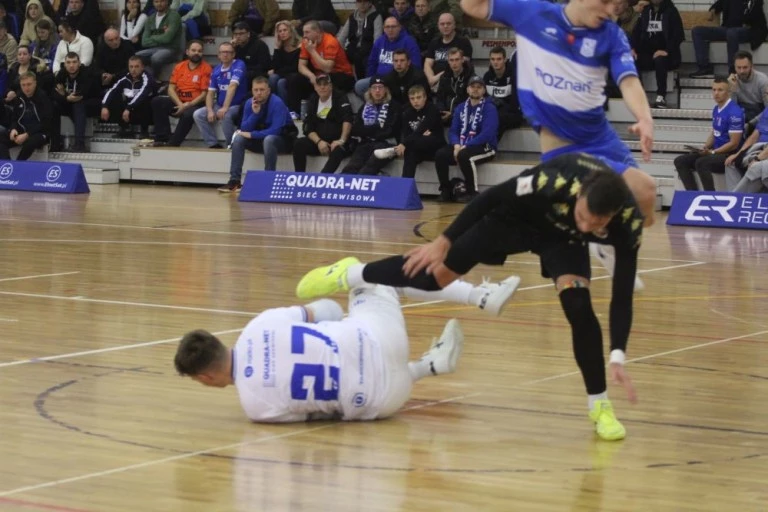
473	138
266	128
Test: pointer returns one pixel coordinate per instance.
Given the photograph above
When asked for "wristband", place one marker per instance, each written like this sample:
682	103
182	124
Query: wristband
618	356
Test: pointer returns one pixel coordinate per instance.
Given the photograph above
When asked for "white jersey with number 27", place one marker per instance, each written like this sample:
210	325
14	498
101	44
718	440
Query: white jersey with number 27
288	370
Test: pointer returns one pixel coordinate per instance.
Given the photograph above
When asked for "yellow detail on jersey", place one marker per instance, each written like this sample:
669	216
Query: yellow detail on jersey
636	224
639	241
627	213
575	187
542	181
560	182
561	209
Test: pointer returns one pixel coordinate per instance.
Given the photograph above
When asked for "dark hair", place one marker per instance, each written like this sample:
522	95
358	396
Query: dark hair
66	26
605	190
195	41
259	80
44	24
499	49
72	55
135	58
401	51
126	12
241	25
743	54
719	79
198	351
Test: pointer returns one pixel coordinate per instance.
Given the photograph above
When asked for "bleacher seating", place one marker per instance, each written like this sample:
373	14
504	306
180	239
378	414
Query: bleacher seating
111	159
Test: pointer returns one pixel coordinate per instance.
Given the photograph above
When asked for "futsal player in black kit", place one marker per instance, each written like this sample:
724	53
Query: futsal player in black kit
553	210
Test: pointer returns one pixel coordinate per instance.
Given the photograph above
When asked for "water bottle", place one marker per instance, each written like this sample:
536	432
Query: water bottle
304	104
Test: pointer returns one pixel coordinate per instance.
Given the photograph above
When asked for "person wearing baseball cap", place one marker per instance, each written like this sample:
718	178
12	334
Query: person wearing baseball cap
326	128
472	140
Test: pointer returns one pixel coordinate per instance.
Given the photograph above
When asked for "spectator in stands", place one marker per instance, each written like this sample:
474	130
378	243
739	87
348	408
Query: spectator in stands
656	43
128	101
266	128
380	58
403	76
422	132
363	27
321	11
226	93
402	11
626	17
31	120
376	126
437	52
26	63
440	7
261	15
742	22
47	42
327	127
186	92
422	26
501	86
8	45
112	57
132	22
321	53
738	163
33	15
749	87
11	22
724	140
285	58
62	9
87	22
161	38
77	95
72	41
453	87
472	140
194	16
251	50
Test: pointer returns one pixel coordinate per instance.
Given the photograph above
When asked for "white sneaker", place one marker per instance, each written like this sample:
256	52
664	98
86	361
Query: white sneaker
607	256
385	154
497	295
444	352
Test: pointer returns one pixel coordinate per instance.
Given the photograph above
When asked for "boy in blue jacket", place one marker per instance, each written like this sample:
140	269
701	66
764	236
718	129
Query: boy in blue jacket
472	140
266	128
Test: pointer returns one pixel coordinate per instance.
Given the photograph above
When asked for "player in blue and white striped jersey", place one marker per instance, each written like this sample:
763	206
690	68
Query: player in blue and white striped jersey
563	56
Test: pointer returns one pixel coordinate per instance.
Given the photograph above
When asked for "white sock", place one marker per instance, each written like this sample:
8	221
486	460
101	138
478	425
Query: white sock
594	398
355	275
326	310
419	369
458	291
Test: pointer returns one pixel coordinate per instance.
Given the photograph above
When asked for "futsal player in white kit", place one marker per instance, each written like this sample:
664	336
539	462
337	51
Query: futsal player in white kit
308	362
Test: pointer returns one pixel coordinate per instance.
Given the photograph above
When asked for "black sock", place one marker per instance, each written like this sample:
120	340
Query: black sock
389	272
587	337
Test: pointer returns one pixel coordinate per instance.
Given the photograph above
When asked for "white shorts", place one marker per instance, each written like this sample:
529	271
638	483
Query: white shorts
378	308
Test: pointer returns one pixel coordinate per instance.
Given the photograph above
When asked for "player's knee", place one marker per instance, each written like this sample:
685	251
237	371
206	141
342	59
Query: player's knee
577	306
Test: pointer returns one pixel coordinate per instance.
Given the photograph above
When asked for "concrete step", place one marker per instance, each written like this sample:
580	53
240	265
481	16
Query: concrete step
98	176
696	100
695	83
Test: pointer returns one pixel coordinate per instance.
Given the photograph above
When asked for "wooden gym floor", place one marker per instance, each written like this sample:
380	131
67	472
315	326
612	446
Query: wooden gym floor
95	290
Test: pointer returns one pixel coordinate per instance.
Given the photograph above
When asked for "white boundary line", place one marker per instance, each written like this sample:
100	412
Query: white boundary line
651	356
155	462
37	275
205	310
102	350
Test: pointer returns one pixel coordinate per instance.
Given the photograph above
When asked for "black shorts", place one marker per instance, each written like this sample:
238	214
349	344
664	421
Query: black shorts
492	239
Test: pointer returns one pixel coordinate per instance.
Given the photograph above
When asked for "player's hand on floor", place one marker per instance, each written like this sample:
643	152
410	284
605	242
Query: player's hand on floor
619	375
427	256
